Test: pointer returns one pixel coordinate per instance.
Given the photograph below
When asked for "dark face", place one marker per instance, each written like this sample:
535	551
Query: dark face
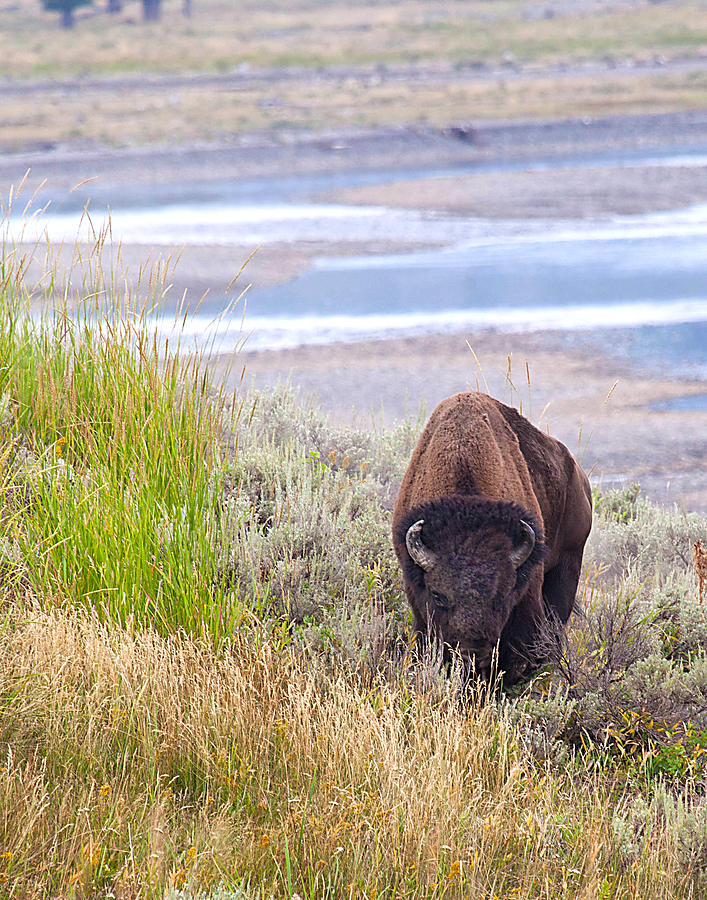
468	596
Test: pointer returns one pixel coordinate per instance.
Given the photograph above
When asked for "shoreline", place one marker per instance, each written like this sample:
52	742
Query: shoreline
264	154
600	407
161	175
630	440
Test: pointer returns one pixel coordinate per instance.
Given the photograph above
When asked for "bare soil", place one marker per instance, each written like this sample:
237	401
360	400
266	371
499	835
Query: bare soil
600	408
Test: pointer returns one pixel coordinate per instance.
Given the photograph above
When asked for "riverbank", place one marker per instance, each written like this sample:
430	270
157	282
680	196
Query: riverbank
631	439
594	175
602	409
174	169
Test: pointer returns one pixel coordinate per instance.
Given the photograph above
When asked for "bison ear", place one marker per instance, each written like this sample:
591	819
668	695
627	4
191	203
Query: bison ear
420	554
520	553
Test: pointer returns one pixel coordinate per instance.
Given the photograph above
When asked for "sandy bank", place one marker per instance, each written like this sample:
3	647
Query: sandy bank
562	193
599	408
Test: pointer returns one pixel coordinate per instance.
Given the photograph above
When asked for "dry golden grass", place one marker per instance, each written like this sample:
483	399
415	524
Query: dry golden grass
699	559
134	763
135	115
222	34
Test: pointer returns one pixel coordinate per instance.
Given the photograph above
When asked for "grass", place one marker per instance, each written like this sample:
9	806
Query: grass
358	38
138	763
310	34
205	683
139	115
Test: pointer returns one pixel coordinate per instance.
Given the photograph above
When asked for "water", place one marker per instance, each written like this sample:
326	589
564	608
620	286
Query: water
270	222
640	272
642	280
687	403
293	188
638	283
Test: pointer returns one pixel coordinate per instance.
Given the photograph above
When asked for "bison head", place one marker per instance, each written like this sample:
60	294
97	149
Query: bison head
466	562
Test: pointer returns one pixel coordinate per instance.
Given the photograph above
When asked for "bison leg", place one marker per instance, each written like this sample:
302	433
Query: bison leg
537	638
560	585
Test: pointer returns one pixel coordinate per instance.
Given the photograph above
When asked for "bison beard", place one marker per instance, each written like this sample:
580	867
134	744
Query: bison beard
489	528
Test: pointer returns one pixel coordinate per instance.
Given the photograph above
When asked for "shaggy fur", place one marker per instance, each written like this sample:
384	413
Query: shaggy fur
463	515
478	470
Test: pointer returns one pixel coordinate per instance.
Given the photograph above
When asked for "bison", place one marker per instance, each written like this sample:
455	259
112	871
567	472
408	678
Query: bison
489	527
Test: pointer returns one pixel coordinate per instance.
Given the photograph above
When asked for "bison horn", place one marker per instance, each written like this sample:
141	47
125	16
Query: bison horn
420	554
523	550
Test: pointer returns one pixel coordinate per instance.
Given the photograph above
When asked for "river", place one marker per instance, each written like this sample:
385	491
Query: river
639	281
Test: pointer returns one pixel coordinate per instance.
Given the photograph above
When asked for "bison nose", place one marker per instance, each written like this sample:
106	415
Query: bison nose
482	660
481	653
477	665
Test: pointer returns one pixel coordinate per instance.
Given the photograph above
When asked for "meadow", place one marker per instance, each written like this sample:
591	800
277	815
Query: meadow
334	65
310	33
206	679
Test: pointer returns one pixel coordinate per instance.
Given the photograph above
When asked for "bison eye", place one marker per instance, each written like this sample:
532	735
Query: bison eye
440	600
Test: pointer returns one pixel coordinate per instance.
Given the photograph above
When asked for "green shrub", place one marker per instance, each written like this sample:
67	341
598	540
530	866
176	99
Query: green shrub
619	505
309	541
633	661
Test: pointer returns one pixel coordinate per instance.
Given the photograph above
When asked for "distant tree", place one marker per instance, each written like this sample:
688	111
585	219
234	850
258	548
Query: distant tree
115	6
186	8
66	9
151	10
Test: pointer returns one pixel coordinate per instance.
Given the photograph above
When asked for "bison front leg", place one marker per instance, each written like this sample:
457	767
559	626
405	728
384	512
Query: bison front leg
535	628
560	585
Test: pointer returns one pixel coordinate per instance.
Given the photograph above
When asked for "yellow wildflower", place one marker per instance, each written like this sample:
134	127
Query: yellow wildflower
455	871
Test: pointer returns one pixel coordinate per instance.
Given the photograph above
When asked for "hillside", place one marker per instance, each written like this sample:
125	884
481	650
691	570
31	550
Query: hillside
207	684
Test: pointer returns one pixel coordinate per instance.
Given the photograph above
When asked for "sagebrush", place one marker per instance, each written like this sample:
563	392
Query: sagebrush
206	683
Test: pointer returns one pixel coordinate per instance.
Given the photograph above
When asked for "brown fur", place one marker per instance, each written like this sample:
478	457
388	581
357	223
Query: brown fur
478	470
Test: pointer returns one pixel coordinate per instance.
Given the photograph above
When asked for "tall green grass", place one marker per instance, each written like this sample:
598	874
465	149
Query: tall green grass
119	436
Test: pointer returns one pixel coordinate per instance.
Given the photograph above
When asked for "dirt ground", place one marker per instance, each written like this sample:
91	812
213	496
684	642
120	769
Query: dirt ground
601	409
